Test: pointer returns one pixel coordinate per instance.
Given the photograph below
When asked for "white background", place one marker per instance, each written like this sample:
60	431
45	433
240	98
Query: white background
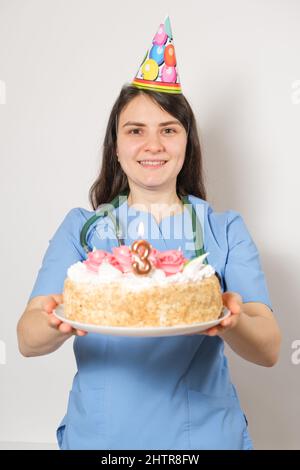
62	64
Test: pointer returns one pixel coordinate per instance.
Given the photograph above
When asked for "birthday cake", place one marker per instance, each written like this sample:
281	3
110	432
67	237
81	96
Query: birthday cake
139	286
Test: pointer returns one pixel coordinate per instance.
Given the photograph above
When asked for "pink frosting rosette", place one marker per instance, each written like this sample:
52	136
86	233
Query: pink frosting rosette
113	261
94	259
154	257
171	261
122	257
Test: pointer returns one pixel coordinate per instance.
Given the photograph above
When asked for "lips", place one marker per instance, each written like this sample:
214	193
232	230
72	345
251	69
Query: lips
152	163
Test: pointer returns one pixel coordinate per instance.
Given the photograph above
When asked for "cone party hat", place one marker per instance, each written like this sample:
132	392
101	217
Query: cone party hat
158	70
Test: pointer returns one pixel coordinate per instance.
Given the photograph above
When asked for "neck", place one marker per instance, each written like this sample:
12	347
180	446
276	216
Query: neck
159	203
150	197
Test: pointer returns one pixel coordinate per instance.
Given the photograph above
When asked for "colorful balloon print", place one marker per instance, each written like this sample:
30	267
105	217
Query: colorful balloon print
160	37
150	69
157	53
169	56
168	74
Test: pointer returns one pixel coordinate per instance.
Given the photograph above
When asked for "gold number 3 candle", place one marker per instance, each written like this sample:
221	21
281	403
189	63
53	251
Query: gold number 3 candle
141	250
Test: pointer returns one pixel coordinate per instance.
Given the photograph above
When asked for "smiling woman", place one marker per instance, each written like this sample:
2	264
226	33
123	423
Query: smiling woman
146	127
150	145
167	392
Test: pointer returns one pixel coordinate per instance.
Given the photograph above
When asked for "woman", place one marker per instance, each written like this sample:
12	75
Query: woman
168	392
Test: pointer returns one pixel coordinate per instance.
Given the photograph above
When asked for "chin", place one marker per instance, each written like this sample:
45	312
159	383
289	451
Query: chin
154	184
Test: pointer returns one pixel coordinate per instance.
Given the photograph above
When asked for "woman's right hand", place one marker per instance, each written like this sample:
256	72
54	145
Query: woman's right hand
50	304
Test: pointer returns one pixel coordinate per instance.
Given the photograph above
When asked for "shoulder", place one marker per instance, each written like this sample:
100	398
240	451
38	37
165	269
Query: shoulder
77	216
217	219
67	234
226	227
228	220
72	225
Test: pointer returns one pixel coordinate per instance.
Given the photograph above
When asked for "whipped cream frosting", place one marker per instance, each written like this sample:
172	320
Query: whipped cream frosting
194	271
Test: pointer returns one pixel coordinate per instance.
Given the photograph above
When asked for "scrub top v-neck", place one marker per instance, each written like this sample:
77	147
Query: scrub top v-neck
171	232
156	393
165	234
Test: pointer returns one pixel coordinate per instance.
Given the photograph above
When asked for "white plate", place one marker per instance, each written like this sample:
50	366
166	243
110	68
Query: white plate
146	331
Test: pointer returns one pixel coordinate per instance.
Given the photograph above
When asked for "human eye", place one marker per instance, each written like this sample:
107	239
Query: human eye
134	131
171	129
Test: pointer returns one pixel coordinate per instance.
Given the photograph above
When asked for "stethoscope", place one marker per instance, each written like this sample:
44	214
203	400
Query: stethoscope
107	210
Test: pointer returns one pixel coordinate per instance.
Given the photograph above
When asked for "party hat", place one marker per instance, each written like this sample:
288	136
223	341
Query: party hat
158	70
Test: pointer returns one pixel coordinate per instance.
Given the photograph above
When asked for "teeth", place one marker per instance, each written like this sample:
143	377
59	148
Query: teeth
158	162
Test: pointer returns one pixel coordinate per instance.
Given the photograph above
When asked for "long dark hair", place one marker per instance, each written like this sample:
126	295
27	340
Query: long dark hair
112	180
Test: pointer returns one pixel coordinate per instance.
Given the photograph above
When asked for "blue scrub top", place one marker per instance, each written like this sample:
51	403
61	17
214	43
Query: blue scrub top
163	392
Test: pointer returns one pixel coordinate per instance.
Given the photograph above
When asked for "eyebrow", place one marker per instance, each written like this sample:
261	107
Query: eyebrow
141	124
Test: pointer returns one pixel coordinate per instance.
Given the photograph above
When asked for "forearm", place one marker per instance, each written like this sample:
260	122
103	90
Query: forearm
256	338
35	336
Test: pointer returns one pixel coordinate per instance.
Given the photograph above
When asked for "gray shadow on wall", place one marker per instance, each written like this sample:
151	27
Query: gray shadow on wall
270	396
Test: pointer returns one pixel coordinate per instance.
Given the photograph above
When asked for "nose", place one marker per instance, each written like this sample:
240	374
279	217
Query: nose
153	143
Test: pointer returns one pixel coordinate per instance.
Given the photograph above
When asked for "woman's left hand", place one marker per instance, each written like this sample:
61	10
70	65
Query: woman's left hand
233	302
